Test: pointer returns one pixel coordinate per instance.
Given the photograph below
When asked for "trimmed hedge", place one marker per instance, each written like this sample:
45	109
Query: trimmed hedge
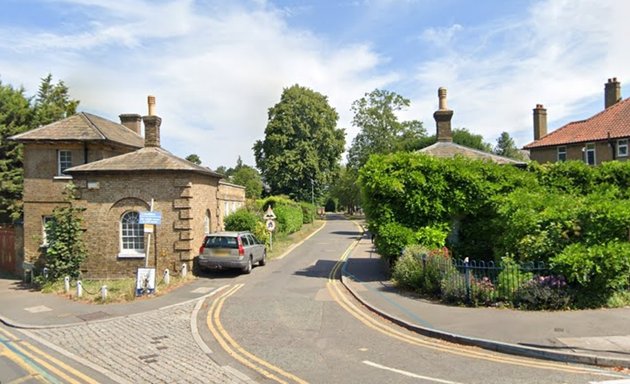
241	220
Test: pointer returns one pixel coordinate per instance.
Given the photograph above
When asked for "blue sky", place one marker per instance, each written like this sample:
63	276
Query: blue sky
216	67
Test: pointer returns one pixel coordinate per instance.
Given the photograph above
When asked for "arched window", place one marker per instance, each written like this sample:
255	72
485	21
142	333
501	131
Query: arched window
207	222
131	235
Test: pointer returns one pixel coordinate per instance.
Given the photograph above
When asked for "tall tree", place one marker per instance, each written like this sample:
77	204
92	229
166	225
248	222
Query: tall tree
250	178
15	116
506	147
194	158
380	129
302	146
53	102
346	189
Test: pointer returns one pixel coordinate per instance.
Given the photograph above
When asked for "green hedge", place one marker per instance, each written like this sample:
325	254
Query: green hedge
308	212
241	220
289	216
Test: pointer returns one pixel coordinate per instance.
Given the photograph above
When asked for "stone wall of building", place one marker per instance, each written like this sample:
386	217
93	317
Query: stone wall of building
230	198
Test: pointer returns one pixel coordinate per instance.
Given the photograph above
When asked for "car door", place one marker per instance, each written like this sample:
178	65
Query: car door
256	250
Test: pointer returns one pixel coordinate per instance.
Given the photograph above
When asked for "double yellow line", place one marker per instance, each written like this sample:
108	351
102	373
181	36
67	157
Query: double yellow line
37	364
236	351
337	292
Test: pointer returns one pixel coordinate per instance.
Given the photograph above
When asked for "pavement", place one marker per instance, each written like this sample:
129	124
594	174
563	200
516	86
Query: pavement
597	337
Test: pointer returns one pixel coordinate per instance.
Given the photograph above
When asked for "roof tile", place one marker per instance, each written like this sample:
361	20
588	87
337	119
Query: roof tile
613	121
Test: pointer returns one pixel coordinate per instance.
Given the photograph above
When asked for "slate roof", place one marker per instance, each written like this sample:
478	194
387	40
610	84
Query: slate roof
83	126
614	120
449	149
142	160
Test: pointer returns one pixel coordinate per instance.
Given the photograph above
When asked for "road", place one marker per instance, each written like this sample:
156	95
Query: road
293	322
288	322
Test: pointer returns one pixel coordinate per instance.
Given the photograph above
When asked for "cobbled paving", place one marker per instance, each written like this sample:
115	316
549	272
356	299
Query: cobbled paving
152	347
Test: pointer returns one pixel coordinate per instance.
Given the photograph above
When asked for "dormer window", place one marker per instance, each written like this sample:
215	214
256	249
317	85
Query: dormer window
64	161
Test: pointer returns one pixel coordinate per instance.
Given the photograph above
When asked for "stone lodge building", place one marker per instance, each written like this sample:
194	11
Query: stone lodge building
119	174
599	138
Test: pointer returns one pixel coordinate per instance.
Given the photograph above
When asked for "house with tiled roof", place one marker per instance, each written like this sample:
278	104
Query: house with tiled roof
446	148
599	138
119	174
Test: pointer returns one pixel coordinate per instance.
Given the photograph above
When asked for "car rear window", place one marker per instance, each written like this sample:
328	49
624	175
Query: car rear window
221	242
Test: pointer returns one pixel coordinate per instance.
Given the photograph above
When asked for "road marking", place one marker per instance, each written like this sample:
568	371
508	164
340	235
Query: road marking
624	381
235	350
47	361
33	370
335	290
38	309
409	374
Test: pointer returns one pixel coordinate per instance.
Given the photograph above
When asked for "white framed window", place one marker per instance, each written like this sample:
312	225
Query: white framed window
131	235
64	161
45	220
622	148
562	153
589	154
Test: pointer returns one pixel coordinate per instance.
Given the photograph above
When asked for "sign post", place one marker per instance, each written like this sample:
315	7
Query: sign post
150	218
270	224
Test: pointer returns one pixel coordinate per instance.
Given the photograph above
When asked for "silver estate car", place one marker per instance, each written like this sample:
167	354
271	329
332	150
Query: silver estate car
232	250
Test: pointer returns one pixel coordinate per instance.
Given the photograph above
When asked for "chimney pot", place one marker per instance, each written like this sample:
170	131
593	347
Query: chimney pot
151	103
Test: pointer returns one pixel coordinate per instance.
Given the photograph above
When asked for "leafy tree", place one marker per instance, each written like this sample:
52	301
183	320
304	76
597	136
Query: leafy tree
15	116
302	146
249	178
66	249
346	189
193	158
380	130
53	102
506	147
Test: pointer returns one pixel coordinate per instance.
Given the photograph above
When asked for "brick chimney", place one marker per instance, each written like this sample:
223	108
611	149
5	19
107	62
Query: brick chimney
612	92
151	125
540	121
132	121
443	118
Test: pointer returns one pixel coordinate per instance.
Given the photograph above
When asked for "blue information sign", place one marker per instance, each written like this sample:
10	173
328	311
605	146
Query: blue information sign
150	218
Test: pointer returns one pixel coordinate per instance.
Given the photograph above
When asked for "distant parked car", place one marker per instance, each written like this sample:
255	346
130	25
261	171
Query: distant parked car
232	250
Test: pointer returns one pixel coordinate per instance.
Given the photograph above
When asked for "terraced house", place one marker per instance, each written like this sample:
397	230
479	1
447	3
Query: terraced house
119	174
599	138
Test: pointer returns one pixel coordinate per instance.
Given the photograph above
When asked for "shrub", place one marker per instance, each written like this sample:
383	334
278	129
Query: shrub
241	220
543	292
432	237
510	279
289	218
453	288
422	269
308	212
392	239
595	271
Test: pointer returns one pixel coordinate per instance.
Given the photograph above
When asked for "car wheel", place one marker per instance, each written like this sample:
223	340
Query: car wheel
248	268
263	261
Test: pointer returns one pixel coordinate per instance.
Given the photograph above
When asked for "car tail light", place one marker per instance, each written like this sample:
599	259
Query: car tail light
201	249
241	250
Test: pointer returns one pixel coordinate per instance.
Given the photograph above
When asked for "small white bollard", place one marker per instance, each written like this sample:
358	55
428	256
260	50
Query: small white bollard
184	270
66	284
167	277
104	292
79	289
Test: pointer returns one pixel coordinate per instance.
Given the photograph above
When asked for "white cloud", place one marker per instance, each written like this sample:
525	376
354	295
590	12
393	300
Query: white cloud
558	54
215	71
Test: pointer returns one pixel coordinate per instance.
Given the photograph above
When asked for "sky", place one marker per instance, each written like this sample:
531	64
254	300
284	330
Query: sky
216	67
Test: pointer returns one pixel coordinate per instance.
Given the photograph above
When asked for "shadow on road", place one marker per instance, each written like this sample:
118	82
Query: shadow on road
321	269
